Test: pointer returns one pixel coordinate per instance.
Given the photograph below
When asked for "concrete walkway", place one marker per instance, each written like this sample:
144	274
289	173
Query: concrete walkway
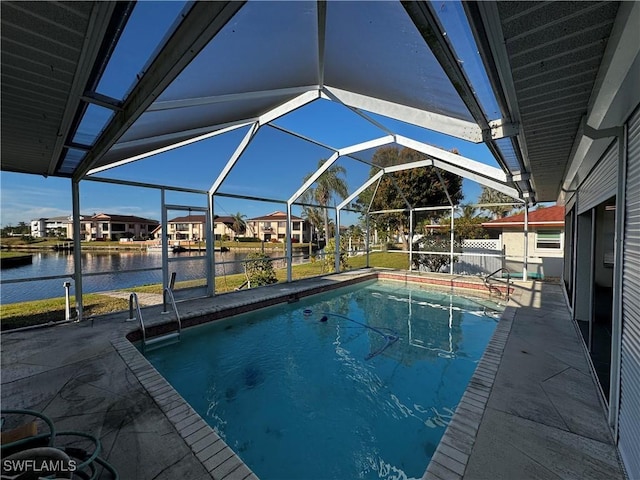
531	409
145	299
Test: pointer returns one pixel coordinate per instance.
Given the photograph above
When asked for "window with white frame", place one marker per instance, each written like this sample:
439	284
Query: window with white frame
549	240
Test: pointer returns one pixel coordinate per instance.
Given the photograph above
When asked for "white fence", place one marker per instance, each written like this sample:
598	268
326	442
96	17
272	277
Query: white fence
479	257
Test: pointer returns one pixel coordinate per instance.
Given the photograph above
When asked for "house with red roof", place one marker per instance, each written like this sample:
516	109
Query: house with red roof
545	241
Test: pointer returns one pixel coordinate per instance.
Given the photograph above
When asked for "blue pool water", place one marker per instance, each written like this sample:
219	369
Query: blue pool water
358	383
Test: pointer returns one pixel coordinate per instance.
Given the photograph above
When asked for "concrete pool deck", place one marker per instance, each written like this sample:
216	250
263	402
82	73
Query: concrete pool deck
532	409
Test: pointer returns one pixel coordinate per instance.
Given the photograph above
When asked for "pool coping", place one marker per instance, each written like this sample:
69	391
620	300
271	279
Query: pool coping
450	459
221	462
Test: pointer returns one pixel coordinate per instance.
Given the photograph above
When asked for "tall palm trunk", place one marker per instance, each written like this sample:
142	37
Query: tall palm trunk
326	225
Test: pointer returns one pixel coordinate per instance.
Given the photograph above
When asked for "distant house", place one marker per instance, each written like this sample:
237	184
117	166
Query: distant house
52	227
545	245
188	227
107	226
273	227
193	228
223	227
103	226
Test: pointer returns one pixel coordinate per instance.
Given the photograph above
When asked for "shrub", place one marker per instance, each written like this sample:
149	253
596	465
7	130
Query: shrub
330	255
259	270
432	262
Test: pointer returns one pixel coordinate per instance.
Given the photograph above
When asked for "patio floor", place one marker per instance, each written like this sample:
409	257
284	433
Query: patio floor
531	411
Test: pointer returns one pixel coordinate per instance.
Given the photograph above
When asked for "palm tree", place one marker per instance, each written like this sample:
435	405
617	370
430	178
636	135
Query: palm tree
491	196
328	186
313	216
239	225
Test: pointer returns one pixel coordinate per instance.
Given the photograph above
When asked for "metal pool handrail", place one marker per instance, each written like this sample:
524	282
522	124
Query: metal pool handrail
133	302
491	287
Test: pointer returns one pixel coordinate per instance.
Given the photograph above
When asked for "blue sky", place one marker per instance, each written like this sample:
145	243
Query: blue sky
273	165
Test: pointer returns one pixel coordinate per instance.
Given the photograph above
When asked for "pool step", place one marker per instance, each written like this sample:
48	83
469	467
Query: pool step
162	341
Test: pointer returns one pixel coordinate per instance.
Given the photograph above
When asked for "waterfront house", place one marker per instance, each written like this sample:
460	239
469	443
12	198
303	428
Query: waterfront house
101	226
545	241
186	227
107	226
273	227
193	228
52	227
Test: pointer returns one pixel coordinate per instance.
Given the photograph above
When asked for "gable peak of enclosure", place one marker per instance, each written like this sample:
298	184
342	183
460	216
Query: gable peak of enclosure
223	66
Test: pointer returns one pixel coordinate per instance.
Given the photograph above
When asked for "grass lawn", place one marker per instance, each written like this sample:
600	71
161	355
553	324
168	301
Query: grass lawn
5	255
52	310
16	315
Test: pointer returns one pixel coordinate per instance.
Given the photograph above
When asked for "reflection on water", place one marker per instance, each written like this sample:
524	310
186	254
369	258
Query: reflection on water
61	263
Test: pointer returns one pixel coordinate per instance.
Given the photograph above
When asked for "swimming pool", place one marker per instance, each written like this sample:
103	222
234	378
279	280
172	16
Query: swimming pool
356	383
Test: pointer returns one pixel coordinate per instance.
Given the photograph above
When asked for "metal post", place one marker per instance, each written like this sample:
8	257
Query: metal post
210	249
337	238
451	247
410	239
77	247
164	293
289	245
67	313
526	242
165	242
367	240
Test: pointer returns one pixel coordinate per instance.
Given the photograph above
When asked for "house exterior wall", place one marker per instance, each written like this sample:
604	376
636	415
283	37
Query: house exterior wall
629	413
599	230
221	229
44	227
275	229
186	231
99	227
542	262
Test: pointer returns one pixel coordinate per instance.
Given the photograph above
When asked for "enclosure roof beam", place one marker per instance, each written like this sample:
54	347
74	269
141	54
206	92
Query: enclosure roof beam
501	187
234	158
453	158
330	96
432	32
427	209
303	137
325	166
231	97
374	195
361	189
289	106
404	198
444	187
376	142
249	197
221	129
512	192
321	8
462	129
200	24
130	183
101	14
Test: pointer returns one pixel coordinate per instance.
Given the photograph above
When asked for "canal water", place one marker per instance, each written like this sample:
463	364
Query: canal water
112	268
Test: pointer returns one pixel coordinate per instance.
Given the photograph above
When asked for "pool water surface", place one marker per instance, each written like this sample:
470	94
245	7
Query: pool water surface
360	382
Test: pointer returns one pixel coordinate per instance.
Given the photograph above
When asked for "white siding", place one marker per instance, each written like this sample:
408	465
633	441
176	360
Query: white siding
629	414
601	183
